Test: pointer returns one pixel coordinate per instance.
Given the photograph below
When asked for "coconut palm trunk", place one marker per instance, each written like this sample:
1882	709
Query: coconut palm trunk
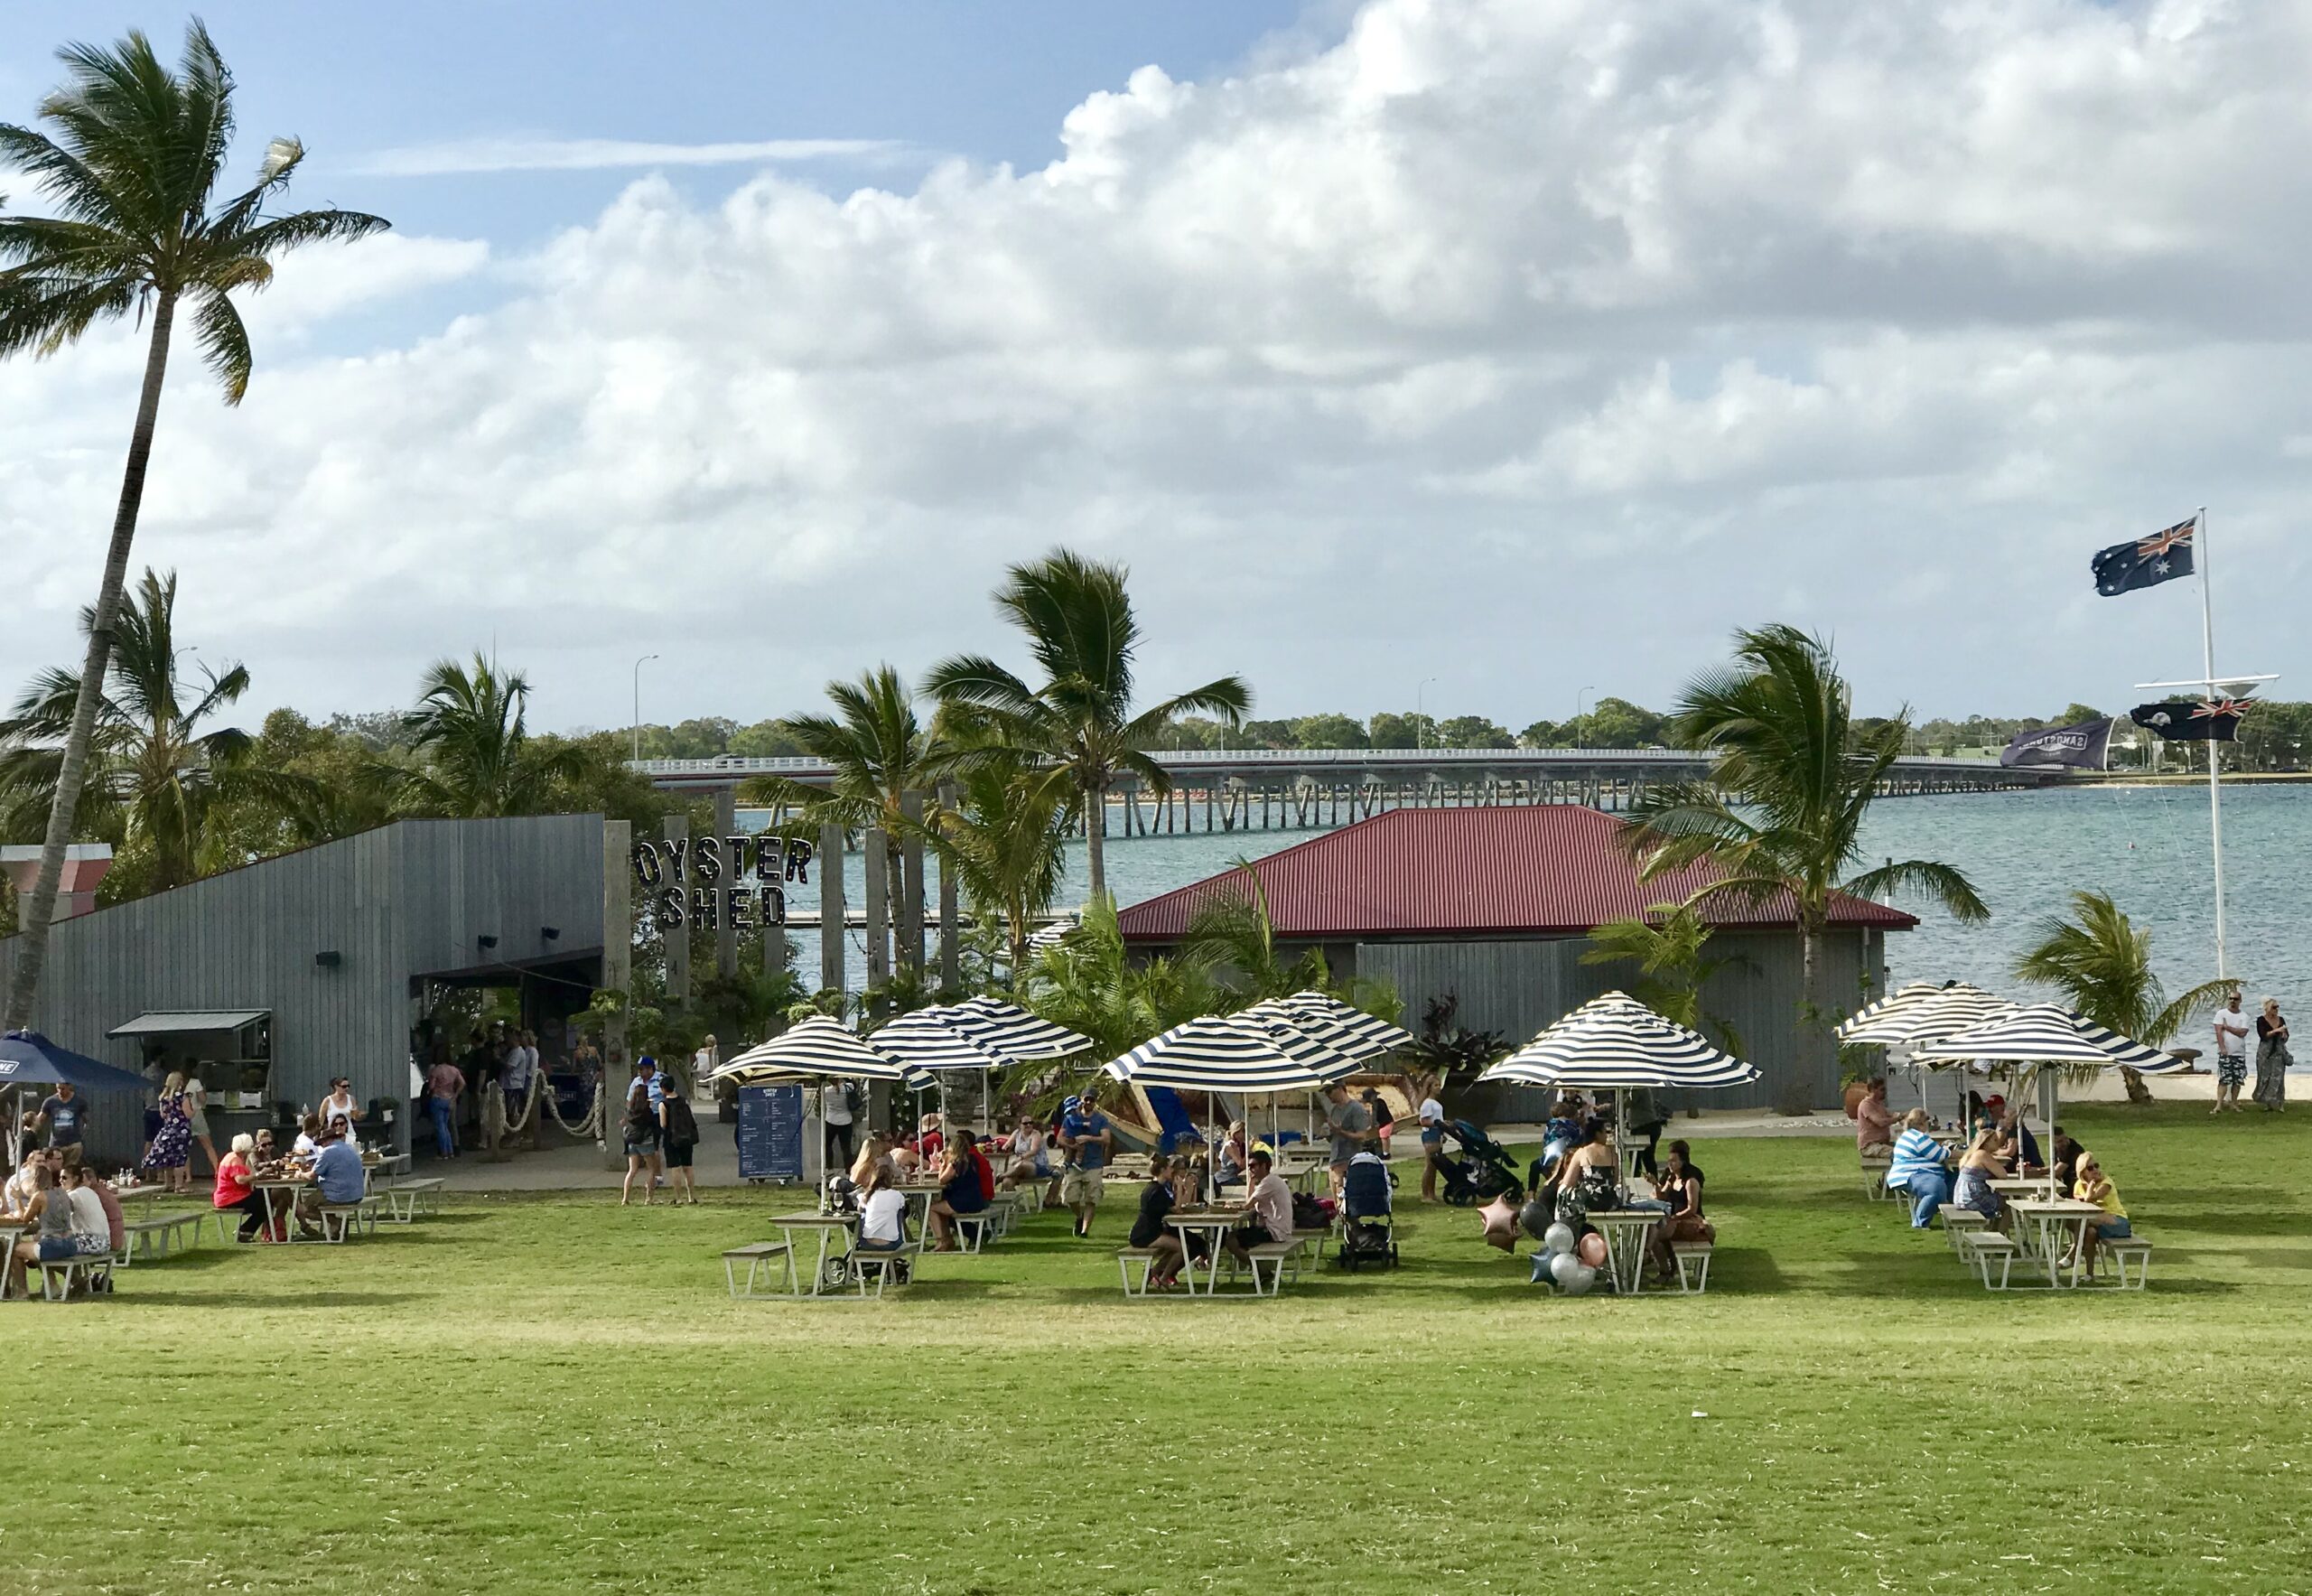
1095	828
72	771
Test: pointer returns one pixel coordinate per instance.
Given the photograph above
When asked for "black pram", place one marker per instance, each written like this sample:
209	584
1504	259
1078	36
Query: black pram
1482	1171
1367	1234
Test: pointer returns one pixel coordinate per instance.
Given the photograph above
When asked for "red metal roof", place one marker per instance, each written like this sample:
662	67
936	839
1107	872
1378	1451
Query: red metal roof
1540	869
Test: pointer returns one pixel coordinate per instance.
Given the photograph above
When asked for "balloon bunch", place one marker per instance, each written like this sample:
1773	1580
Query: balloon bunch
1571	1264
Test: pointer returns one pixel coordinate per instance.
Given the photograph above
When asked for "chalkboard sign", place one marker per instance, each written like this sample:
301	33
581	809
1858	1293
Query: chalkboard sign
771	1133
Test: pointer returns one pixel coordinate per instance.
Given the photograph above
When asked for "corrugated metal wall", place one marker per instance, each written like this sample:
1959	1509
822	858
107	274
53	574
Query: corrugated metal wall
1518	986
406	900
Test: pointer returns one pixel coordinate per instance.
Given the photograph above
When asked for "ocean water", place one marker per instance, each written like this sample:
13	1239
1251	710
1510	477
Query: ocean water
2025	852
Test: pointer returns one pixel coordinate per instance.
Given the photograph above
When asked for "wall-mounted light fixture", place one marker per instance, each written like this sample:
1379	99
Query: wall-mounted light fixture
550	933
329	959
485	943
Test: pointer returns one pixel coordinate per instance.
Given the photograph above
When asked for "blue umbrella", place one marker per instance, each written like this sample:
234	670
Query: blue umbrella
29	1058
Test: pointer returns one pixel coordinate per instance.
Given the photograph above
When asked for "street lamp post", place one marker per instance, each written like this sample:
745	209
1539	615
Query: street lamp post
1578	699
638	703
1420	716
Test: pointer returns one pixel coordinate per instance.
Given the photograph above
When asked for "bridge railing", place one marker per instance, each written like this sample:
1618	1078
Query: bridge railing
800	766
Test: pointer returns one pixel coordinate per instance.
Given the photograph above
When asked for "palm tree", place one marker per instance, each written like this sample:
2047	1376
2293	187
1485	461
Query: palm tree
1781	816
1667	948
2101	964
131	170
879	750
1003	841
1088	982
152	773
476	761
1080	626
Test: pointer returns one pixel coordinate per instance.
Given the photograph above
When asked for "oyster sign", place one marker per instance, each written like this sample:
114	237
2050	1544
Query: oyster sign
712	882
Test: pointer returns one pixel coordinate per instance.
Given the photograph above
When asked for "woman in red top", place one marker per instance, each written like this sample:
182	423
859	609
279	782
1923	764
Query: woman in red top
235	1171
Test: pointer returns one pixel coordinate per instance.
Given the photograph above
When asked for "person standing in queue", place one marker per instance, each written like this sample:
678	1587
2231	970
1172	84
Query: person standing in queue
446	1083
1087	1139
642	1130
1432	1145
677	1138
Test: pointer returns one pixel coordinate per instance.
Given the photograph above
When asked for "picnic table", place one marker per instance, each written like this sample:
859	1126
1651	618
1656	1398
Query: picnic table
827	1226
2042	1224
276	1191
1214	1224
928	1191
1626	1230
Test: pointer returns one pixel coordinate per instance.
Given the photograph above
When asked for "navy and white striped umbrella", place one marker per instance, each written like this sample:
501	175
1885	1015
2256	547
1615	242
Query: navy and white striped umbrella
1943	1011
1013	1034
931	1039
1347	1030
1244	1052
1900	1002
818	1049
1615	1041
2045	1033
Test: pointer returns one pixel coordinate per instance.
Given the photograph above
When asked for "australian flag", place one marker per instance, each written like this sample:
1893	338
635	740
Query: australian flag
2145	563
2211	720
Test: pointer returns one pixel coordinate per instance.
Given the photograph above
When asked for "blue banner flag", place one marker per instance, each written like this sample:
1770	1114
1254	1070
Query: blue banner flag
2147	562
2082	746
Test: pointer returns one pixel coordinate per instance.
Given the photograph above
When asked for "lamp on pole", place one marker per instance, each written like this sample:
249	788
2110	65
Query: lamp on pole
1578	700
1420	719
638	702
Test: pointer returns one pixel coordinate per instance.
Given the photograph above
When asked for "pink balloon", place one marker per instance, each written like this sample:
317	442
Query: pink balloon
1593	1250
1500	1221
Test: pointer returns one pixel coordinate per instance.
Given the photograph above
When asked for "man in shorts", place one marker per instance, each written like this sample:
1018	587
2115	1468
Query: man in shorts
2230	1055
1432	1145
1086	1135
1352	1129
1270	1215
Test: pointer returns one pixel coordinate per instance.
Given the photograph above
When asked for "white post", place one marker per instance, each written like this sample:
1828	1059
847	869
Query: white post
2215	759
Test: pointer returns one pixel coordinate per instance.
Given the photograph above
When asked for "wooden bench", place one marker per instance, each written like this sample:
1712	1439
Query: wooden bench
973	1230
757	1255
1693	1264
886	1266
1125	1258
159	1236
2124	1249
406	1199
1875	1166
57	1275
1980	1249
1281	1257
1958	1221
340	1219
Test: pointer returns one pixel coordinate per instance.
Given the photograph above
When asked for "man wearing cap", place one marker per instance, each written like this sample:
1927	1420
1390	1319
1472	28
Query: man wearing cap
1086	1137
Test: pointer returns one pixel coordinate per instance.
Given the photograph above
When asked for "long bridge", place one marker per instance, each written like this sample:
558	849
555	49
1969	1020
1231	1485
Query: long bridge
1280	788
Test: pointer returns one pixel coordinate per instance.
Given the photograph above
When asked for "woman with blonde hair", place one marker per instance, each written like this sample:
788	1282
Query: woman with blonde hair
173	1142
2273	1059
1985	1161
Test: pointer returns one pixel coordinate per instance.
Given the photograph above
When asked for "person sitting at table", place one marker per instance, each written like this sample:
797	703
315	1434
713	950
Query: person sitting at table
2094	1186
309	1138
2022	1146
1919	1169
883	1212
2067	1156
90	1228
1270	1211
1230	1158
1588	1177
115	1222
930	1142
960	1192
1679	1184
1874	1121
1031	1153
235	1173
17	1195
49	1216
1563	1133
1984	1161
875	1155
904	1157
338	1178
1158	1199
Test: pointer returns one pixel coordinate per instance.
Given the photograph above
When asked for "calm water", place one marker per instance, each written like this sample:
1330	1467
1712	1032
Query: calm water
2025	852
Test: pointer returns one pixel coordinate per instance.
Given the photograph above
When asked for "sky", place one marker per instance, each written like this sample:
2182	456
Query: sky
1494	353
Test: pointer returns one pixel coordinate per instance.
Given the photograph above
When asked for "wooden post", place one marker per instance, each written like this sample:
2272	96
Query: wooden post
727	826
910	910
951	939
618	975
877	855
676	828
832	973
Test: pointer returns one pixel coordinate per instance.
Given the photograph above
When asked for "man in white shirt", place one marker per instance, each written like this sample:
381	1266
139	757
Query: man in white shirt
1270	1216
2230	1055
1432	1145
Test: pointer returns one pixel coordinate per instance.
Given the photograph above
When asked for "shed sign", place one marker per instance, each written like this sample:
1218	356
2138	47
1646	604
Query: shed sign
711	881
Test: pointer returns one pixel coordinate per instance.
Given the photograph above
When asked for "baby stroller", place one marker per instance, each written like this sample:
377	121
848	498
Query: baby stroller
1368	1234
1482	1171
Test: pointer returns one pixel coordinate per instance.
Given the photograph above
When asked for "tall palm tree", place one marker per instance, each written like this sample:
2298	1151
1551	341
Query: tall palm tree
2101	964
1080	626
1781	816
475	758
152	775
130	169
1003	841
879	750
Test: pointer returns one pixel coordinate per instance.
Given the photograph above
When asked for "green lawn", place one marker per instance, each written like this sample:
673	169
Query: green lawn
555	1395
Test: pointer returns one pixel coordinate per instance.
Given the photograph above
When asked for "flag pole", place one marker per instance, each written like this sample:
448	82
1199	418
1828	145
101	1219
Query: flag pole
2215	755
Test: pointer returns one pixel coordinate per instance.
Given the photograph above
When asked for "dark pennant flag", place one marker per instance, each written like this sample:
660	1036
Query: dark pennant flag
2146	562
2082	745
2215	721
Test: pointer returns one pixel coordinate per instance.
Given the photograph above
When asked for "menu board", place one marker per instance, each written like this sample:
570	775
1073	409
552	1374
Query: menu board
771	1133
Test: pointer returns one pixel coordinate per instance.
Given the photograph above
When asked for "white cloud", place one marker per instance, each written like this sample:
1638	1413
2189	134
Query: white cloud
608	154
1505	343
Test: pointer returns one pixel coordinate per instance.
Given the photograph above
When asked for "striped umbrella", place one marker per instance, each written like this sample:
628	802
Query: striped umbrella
933	1039
1244	1053
1944	1011
1347	1030
1616	1041
1896	1003
818	1049
1013	1034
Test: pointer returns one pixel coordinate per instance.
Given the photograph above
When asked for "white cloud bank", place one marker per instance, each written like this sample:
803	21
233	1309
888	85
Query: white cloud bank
610	154
1523	345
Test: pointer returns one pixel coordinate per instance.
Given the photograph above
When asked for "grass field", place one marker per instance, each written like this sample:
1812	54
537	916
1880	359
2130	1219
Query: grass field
552	1394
